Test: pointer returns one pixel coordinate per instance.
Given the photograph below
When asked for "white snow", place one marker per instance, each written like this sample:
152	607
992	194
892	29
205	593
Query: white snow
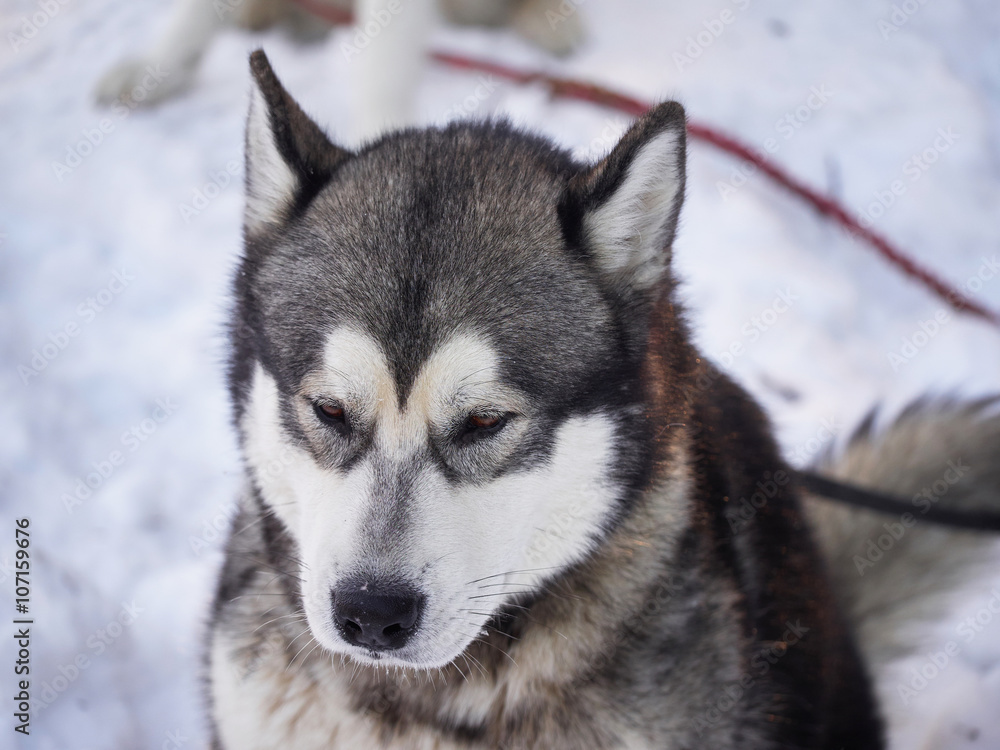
149	534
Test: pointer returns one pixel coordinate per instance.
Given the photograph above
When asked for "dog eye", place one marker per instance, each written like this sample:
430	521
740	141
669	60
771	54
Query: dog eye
331	413
481	425
484	422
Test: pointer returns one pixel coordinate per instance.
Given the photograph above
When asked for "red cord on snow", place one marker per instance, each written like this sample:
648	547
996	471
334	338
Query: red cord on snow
567	88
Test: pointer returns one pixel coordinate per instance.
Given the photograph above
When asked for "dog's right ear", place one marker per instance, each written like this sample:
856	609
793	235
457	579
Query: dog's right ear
624	209
288	157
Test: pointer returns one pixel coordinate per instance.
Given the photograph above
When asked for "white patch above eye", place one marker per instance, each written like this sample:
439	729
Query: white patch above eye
354	371
271	183
461	374
630	230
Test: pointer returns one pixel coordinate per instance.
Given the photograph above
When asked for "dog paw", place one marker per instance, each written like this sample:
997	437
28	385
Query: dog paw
140	82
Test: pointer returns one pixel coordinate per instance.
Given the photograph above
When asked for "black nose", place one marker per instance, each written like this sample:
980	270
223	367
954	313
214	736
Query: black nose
376	617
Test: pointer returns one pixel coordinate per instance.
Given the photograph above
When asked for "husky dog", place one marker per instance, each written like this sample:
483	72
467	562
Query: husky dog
394	32
495	498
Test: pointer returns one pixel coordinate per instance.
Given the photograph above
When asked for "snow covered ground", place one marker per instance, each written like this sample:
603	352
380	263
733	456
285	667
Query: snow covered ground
112	267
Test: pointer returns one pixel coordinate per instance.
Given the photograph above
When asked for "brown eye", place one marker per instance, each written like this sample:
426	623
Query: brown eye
481	426
484	421
330	413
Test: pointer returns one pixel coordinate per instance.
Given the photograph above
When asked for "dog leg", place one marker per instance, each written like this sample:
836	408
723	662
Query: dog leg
174	57
389	67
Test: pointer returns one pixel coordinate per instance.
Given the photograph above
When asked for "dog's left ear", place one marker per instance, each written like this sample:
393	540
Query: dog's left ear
624	209
288	157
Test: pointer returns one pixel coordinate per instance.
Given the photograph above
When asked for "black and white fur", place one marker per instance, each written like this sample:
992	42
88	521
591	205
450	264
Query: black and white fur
465	393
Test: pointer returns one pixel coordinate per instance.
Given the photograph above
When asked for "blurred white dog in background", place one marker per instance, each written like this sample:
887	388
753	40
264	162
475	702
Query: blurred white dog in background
394	35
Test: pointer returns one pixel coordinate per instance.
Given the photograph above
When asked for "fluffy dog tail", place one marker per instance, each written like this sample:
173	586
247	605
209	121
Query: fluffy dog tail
894	573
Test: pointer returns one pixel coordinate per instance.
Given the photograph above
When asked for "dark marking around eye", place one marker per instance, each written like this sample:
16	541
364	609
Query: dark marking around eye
482	425
331	414
484	422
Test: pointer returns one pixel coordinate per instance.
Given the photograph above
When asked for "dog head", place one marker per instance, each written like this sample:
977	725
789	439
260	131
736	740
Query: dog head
437	368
